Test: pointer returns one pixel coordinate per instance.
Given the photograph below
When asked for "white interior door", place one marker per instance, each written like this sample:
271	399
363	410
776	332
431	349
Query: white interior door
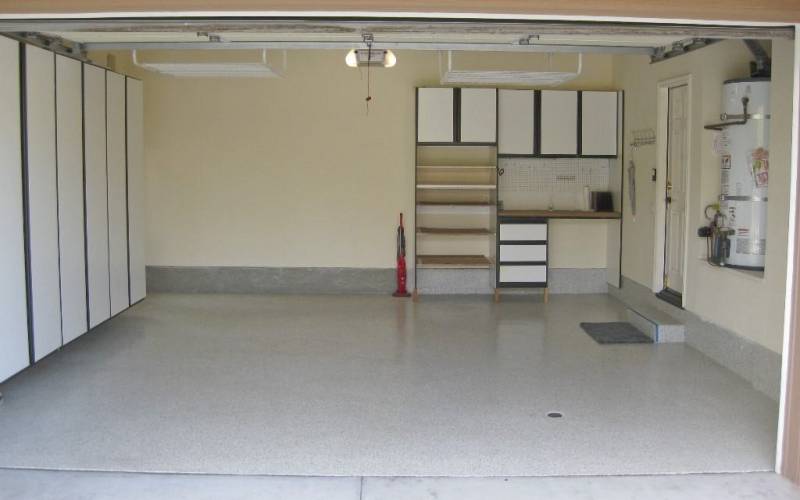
675	196
14	354
45	282
434	115
117	192
478	115
516	121
559	134
96	192
69	124
136	207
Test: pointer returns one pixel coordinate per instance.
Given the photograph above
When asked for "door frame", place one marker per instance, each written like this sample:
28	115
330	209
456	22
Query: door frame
787	449
660	222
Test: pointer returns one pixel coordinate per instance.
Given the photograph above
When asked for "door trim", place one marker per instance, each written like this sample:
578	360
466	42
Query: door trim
787	454
661	170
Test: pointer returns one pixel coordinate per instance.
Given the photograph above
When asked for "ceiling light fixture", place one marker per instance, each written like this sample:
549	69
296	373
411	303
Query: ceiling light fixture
358	58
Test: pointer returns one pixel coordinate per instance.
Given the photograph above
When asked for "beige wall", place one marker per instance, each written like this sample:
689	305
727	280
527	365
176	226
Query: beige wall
749	305
292	172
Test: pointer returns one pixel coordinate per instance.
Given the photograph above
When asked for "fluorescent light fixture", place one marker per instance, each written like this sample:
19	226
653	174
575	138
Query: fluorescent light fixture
366	57
255	69
507	77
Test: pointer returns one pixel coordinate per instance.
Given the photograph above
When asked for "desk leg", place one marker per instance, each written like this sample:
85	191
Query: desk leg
497	295
414	296
546	295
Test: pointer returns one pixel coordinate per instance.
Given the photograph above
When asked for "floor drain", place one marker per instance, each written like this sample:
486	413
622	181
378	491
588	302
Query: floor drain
555	414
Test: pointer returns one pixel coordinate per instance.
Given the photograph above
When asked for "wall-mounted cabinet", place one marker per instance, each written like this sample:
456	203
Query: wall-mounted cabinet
435	115
559	122
478	115
598	123
456	116
516	118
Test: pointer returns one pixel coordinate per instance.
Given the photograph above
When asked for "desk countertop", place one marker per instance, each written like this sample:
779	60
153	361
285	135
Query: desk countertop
559	214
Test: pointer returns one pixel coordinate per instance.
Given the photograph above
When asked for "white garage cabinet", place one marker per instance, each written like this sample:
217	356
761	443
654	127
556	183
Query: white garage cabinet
71	200
14	354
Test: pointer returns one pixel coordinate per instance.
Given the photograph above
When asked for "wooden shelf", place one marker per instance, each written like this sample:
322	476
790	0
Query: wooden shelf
559	214
458	187
453	262
454	230
458	167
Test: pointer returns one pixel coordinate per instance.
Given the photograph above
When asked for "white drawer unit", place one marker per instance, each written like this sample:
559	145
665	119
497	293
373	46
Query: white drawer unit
523	232
523	253
522	275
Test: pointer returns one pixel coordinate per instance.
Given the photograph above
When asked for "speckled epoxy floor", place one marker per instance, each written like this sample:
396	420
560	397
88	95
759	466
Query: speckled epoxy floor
370	385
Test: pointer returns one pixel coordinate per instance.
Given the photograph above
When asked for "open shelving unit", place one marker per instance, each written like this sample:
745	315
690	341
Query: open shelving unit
456	200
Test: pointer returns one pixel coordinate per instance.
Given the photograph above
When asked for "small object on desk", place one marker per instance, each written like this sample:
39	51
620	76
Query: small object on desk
602	201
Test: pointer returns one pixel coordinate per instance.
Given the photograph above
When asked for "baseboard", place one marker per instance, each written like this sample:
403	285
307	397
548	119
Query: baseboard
324	280
751	361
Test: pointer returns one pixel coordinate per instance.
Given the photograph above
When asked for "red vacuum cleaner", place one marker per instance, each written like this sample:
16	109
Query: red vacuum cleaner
401	262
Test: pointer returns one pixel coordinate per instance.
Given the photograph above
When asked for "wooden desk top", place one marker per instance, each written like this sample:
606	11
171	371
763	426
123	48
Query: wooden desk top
560	214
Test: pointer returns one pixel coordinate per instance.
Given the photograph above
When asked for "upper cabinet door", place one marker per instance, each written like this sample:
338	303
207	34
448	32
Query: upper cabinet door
559	135
516	119
478	114
599	123
435	115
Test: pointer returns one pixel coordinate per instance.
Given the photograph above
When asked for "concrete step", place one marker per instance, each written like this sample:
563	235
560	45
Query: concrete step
656	324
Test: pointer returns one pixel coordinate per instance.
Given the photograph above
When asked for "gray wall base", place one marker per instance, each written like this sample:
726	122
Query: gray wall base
323	280
753	362
270	280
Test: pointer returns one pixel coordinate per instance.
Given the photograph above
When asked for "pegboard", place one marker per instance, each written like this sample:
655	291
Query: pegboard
554	175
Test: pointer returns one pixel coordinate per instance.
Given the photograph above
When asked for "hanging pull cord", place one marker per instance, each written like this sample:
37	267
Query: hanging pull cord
369	59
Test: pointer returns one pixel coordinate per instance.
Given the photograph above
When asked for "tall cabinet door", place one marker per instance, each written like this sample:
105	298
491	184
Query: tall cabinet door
136	215
598	123
117	192
69	152
516	121
14	355
96	193
559	116
435	115
42	188
478	113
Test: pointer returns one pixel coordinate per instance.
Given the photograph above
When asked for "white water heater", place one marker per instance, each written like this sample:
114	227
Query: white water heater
744	146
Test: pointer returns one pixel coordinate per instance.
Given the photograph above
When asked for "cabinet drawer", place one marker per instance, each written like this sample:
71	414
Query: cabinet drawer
523	253
523	232
523	274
